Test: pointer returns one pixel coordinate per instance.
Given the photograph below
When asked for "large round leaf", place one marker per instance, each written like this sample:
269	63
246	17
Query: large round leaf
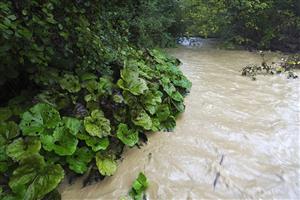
40	117
62	142
127	136
22	148
97	124
33	179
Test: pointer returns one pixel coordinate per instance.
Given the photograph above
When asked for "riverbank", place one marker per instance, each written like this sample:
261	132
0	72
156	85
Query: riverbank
254	125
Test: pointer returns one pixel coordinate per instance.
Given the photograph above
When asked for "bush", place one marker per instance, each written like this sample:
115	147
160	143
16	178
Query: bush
270	24
77	89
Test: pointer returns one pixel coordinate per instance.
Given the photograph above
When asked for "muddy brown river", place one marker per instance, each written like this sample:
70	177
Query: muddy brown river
252	126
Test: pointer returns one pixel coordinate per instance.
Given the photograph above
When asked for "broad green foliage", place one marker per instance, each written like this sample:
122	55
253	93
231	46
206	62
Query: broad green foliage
76	87
146	96
131	82
70	83
97	124
5	113
106	164
21	148
9	130
60	140
141	118
128	137
38	119
138	187
94	142
79	161
34	178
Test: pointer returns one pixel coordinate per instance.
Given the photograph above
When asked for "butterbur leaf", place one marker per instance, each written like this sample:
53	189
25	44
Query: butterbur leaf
163	112
3	154
21	148
5	113
140	184
169	124
180	107
105	86
9	130
79	161
131	82
142	119
151	100
107	165
61	141
70	83
170	89
3	167
95	143
91	85
38	118
88	76
97	125
72	124
34	178
118	98
138	187
127	136
183	82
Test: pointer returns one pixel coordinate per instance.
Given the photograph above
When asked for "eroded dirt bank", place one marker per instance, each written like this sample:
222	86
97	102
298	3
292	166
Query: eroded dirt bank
254	125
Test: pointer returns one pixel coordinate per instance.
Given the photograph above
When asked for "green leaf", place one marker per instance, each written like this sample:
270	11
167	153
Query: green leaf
141	118
70	83
170	89
34	179
91	85
38	118
183	82
88	76
169	124
97	125
9	130
152	100
72	124
61	141
139	186
5	113
127	136
118	98
105	86
79	161
107	165
131	82
163	112
95	143
21	148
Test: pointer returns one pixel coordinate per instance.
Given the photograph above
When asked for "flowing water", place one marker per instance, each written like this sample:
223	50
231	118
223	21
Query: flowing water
252	126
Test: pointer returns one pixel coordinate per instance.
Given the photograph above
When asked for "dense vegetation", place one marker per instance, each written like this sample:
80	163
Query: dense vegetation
265	24
80	80
77	85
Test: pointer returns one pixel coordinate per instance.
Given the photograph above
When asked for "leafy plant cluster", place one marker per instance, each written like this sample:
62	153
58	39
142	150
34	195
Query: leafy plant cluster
139	186
263	24
83	120
77	87
287	65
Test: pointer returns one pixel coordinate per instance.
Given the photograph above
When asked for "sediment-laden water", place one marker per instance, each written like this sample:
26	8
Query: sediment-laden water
253	125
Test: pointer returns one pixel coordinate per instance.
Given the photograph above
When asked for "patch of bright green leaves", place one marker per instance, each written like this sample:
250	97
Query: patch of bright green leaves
101	116
139	186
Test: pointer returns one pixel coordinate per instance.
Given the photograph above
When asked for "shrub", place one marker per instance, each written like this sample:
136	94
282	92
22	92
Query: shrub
76	89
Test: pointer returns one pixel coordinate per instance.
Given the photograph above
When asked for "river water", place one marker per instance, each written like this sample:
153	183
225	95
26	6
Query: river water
252	126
